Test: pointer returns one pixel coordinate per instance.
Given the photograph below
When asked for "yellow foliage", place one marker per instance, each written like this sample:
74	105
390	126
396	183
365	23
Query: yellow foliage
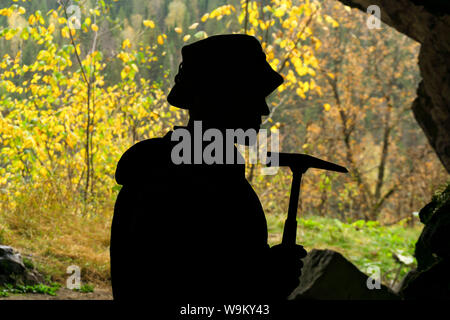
10	34
149	23
275	127
291	77
205	17
126	44
331	21
312	72
221	11
6	12
305	87
193	26
51	28
300	92
65	32
279	12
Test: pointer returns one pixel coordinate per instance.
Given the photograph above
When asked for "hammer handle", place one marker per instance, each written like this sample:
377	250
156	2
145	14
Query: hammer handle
290	226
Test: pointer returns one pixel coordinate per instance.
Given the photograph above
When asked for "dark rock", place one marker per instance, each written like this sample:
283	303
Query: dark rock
327	275
410	276
435	235
14	271
10	262
431	279
433	244
430	284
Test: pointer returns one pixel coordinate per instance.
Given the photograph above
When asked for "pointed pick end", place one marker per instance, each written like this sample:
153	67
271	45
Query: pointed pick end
341	169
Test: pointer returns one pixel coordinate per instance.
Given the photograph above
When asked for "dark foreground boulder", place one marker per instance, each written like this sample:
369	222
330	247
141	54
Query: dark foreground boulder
13	269
431	284
327	275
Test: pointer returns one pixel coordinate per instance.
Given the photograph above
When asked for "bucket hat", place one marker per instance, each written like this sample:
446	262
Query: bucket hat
227	65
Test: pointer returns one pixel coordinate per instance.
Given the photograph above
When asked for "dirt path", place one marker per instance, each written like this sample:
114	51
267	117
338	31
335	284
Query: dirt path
65	294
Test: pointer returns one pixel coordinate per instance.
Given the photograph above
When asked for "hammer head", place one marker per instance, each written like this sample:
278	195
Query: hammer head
302	162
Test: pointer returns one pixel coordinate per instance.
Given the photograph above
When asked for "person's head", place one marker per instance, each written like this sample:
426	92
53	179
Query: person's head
223	81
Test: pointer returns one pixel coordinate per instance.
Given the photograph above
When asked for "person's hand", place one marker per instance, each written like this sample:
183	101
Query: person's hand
286	267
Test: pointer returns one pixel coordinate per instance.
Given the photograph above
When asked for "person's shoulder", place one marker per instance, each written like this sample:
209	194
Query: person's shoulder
148	147
143	159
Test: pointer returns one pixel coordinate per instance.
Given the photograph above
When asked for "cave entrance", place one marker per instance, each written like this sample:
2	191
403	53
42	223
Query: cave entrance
427	22
370	79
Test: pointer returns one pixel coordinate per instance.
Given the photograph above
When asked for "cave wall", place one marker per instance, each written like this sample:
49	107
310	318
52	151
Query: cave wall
427	22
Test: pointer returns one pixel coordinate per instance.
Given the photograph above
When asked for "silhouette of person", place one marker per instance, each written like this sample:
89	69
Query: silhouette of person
196	232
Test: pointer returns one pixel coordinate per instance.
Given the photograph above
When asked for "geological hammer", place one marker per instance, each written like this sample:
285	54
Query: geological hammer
299	164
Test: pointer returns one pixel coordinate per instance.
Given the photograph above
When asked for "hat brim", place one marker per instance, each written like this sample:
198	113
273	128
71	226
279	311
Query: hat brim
269	81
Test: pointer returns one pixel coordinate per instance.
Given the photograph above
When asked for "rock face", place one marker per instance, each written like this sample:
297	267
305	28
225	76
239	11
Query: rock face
434	241
428	22
13	269
327	275
431	280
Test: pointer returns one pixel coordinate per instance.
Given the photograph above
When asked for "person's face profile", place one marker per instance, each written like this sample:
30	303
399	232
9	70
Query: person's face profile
231	110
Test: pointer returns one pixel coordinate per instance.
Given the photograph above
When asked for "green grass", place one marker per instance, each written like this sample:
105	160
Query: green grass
55	231
85	288
28	263
51	289
363	243
21	289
